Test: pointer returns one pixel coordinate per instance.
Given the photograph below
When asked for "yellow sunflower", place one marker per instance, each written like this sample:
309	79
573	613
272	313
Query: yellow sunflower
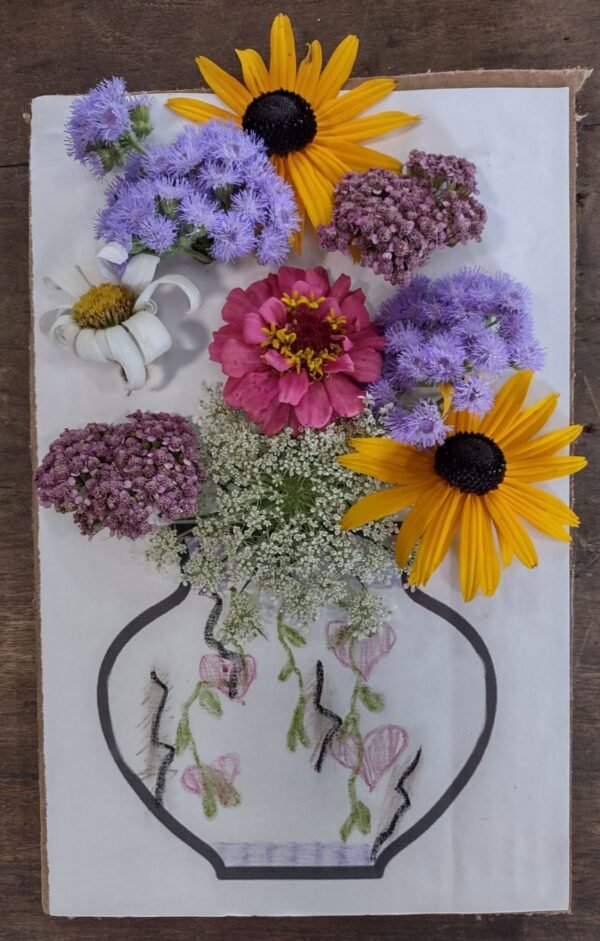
479	481
312	135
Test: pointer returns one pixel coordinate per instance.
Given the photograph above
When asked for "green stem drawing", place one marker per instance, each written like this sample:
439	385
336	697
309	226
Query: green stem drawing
216	789
359	816
288	637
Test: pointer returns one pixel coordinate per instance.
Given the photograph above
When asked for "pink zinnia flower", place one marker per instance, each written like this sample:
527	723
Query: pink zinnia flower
297	351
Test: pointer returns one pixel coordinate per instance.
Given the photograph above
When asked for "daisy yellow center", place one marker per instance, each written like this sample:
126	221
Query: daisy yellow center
471	462
283	119
307	340
104	305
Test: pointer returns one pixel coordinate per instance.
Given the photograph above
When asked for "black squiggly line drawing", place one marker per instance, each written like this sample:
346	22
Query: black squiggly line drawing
385	834
332	716
214	644
373	871
161	777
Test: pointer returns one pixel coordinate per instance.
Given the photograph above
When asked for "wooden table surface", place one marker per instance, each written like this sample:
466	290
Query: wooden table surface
66	46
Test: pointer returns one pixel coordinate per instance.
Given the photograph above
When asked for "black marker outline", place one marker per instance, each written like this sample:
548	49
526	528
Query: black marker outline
377	869
161	777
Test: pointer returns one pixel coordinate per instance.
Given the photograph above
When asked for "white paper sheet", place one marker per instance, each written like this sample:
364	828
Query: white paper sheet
503	844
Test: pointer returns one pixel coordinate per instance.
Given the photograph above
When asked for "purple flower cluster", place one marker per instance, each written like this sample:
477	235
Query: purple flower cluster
126	478
107	124
462	330
393	222
212	192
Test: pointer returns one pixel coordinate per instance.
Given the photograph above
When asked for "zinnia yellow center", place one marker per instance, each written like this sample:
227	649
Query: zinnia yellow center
307	340
104	305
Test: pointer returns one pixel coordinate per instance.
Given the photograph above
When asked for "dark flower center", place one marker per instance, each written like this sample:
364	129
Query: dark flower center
285	121
470	461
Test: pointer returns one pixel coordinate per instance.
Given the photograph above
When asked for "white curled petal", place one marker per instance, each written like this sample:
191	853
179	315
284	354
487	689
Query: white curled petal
64	331
90	345
125	351
150	334
70	280
139	271
110	255
184	284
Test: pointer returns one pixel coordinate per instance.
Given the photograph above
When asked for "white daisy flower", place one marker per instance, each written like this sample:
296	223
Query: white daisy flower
113	318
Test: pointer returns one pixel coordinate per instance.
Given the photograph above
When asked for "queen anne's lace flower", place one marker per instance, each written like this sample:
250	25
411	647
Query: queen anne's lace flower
269	520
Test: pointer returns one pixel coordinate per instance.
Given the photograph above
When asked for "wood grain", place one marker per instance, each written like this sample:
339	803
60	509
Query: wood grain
65	46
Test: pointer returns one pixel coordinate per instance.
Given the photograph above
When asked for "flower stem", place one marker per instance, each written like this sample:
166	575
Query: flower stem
288	637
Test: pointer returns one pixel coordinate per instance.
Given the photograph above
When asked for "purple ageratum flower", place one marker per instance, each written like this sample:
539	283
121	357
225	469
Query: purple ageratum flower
421	425
158	233
472	394
232	235
396	221
465	329
217	190
104	123
125	478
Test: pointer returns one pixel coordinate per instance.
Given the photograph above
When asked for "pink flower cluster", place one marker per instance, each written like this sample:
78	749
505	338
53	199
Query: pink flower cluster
393	222
124	477
297	350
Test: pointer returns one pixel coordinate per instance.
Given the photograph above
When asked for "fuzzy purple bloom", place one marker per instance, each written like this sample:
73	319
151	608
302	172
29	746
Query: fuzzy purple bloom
212	191
126	478
463	329
104	125
395	221
421	425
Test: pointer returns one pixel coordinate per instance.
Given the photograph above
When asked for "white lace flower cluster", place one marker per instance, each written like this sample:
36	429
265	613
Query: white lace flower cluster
269	521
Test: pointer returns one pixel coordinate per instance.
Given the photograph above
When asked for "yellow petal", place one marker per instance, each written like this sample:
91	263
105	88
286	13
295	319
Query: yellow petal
356	156
506	551
402	455
528	422
309	71
389	472
281	165
512	531
544	446
365	128
282	67
337	71
199	111
254	70
314	190
330	166
463	421
469	551
489	555
507	403
549	468
379	504
435	544
538	518
224	85
418	520
544	501
352	102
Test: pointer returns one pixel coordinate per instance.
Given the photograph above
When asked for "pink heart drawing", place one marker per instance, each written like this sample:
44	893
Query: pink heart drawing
381	747
366	652
226	767
228	676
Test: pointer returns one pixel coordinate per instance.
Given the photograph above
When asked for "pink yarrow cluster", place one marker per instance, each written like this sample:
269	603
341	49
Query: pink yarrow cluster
297	350
393	222
125	477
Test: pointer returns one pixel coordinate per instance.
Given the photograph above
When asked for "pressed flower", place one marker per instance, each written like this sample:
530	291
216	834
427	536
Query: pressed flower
297	350
115	321
313	135
481	480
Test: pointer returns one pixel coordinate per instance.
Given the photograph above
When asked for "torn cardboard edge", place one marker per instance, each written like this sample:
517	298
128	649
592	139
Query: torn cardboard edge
573	79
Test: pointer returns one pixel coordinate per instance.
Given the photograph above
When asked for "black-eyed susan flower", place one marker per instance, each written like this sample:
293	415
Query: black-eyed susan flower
313	135
481	482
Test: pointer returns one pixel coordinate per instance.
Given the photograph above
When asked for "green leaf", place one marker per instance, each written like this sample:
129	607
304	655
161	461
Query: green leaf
286	672
362	817
347	827
349	726
183	736
371	700
292	737
209	700
209	805
295	637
